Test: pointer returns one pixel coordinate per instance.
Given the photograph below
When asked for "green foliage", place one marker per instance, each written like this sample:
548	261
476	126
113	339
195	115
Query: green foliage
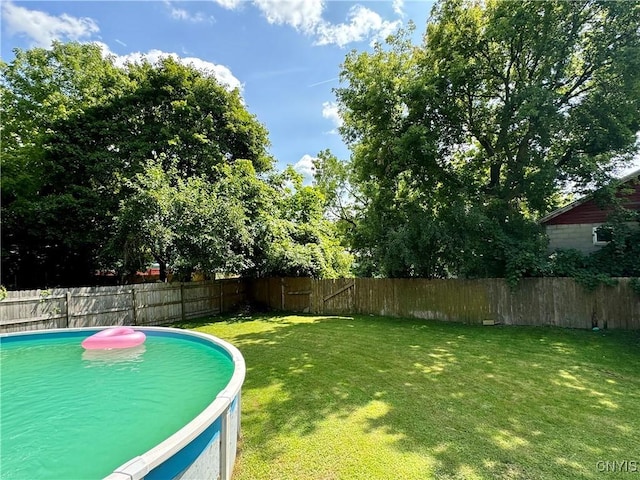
239	224
108	168
619	258
294	237
460	144
40	89
187	224
3	292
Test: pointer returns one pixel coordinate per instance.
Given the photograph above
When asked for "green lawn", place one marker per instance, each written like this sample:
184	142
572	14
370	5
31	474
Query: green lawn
381	398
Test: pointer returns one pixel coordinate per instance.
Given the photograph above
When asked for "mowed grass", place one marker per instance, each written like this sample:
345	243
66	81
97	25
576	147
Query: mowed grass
380	398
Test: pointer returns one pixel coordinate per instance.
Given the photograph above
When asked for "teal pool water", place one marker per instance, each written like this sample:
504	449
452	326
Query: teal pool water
67	413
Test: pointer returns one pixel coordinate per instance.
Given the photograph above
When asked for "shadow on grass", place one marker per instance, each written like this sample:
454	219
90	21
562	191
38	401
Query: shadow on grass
479	402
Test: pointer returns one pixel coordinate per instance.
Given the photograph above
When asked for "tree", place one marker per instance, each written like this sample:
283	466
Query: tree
41	88
187	224
293	236
81	162
115	168
461	143
176	116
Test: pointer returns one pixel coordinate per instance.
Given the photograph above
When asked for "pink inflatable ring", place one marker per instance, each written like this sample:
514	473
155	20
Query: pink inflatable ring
116	337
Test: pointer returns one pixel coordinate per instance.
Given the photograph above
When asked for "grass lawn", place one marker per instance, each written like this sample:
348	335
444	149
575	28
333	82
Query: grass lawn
381	398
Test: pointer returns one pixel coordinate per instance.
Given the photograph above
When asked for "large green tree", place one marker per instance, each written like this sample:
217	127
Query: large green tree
67	169
459	144
187	224
114	168
239	224
294	237
42	88
176	116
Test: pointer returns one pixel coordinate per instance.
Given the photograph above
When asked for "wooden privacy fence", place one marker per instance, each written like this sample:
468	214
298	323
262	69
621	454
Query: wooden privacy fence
140	304
535	301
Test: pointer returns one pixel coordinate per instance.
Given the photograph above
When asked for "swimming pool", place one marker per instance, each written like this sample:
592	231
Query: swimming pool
169	408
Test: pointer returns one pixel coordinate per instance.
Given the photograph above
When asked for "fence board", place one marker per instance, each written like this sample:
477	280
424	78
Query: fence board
543	301
336	296
45	308
375	296
296	294
201	299
140	304
536	301
158	303
462	300
616	308
233	293
32	325
274	292
258	290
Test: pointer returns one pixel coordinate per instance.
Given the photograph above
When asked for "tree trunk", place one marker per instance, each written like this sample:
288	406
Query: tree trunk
494	179
163	271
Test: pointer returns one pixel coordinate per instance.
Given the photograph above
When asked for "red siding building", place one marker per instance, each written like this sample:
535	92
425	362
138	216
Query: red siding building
577	225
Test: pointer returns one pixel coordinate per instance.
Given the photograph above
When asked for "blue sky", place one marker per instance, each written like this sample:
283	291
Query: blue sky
284	55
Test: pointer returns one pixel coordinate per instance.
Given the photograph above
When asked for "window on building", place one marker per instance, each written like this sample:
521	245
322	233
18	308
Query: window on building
602	235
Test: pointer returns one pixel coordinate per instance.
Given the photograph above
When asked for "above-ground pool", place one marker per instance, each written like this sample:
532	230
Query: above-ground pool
169	408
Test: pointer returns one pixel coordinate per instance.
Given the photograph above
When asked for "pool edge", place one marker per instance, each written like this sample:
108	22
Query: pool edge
140	466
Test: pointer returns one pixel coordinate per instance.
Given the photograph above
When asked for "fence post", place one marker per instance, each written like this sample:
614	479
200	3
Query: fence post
68	315
282	293
354	305
133	303
182	300
221	293
211	297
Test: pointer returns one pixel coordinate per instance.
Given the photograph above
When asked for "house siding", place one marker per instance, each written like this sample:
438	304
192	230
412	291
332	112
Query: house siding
589	212
572	226
578	236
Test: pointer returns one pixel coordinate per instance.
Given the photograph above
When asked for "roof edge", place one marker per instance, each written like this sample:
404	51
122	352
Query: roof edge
570	206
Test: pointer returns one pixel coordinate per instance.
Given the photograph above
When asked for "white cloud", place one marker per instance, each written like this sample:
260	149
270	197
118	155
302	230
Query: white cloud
182	14
398	6
362	24
43	28
305	167
228	4
306	17
331	112
220	72
303	15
